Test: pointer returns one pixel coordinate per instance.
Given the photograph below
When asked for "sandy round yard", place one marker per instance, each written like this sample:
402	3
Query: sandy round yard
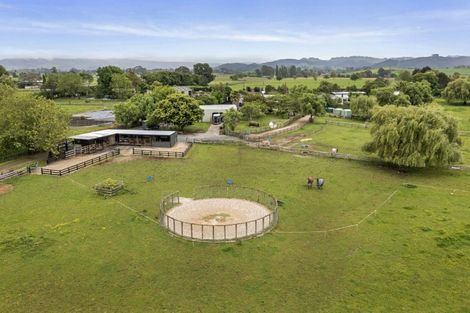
218	218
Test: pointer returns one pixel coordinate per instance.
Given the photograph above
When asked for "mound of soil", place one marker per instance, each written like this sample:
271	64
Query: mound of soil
5	189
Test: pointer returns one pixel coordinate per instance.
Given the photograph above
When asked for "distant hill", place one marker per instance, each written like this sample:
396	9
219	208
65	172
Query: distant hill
434	61
86	64
356	62
237	67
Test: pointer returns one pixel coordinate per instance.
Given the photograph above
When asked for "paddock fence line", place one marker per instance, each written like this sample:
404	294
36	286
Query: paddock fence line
316	153
347	124
249	134
355	225
161	154
14	173
465	133
220	233
212	141
79	166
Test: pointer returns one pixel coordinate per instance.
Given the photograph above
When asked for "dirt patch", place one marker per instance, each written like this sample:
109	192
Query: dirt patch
218	218
5	189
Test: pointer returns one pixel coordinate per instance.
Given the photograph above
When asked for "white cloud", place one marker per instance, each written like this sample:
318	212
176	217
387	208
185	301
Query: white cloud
206	32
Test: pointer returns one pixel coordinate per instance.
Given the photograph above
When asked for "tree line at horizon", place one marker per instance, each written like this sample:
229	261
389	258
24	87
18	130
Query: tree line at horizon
397	109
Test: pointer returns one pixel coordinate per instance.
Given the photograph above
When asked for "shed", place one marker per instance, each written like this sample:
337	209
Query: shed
131	137
213	112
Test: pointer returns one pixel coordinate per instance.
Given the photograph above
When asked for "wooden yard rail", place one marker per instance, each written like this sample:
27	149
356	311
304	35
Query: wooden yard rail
79	166
161	154
347	124
14	173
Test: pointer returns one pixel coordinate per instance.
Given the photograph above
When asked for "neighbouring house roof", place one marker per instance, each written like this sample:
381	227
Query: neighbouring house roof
218	107
182	88
111	132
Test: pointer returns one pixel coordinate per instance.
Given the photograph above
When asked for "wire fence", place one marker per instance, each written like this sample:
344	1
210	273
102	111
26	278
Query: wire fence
347	124
223	232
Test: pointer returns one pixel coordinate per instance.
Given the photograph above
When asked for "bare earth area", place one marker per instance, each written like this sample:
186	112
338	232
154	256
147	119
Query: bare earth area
218	218
5	189
59	165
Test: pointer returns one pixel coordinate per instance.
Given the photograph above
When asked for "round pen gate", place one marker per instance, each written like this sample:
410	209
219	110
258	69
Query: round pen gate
219	214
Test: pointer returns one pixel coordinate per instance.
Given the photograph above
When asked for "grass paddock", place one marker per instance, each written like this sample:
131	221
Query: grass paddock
65	249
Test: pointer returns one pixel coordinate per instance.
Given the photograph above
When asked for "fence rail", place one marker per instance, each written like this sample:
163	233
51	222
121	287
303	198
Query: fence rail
259	131
14	173
316	153
464	133
161	154
347	124
79	166
220	233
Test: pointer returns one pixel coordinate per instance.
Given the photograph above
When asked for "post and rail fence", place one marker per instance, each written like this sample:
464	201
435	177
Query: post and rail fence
161	154
224	232
79	166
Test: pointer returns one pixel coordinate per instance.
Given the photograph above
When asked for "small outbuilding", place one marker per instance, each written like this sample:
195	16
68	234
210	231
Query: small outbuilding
213	112
128	137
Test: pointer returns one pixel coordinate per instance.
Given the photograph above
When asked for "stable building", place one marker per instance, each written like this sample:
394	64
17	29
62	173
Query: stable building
128	137
213	112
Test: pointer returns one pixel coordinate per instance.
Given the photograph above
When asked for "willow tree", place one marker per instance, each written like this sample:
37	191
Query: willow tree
362	106
458	90
414	137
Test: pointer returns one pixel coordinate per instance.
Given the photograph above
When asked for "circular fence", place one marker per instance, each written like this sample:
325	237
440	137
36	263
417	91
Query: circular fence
219	214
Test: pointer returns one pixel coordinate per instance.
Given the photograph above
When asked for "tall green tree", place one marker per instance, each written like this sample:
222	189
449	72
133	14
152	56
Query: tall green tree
458	90
105	75
414	137
69	84
231	118
362	106
252	110
7	80
203	71
30	123
121	86
176	109
419	93
3	71
127	114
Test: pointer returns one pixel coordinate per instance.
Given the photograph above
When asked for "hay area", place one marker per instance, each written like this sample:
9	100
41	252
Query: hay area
5	189
215	219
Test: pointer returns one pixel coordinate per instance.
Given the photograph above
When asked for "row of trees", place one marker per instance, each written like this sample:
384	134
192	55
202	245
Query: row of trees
160	106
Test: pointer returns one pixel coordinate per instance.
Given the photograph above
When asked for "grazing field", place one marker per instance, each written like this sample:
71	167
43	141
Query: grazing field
324	137
75	106
310	82
65	249
73	131
461	113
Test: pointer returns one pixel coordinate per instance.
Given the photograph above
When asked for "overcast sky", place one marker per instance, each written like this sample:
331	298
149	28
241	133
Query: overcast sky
239	30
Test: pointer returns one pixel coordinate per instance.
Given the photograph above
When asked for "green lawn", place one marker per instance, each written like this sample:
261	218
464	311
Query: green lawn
199	127
461	113
75	106
263	122
65	249
324	137
310	82
87	129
